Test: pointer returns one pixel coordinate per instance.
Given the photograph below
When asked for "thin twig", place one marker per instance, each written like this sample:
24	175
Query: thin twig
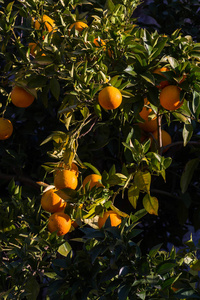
23	179
181	143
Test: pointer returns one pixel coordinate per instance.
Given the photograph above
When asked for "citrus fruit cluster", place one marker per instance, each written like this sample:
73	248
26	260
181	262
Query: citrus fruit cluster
51	202
170	100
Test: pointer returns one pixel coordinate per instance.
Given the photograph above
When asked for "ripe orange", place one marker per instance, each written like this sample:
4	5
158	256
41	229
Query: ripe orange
101	43
148	125
94	180
166	138
65	179
170	97
110	97
6	128
51	202
115	219
79	26
20	97
160	71
183	78
60	222
48	22
62	165
34	49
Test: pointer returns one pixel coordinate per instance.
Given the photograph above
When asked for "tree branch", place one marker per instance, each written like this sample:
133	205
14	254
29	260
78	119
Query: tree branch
23	179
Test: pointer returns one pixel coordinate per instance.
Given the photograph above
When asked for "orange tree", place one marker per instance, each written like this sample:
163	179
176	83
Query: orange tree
95	128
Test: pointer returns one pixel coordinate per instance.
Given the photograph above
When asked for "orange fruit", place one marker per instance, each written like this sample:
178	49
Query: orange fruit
6	128
166	138
20	97
34	49
110	97
48	22
60	222
101	43
148	125
170	97
115	219
79	26
183	78
94	180
160	71
74	168
51	202
36	24
74	224
65	179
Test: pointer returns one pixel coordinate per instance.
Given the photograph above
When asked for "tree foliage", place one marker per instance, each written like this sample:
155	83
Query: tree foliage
154	191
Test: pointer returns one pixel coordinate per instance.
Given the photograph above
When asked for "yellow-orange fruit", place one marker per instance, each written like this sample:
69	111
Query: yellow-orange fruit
147	125
65	179
101	43
60	222
110	98
170	97
161	72
34	48
166	138
49	23
6	128
115	219
51	202
74	168
79	26
20	97
94	180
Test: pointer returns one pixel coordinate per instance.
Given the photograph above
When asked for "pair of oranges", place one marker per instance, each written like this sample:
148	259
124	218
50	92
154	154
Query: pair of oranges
20	98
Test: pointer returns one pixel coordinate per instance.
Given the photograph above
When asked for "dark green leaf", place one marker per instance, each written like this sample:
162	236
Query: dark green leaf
55	88
187	133
187	174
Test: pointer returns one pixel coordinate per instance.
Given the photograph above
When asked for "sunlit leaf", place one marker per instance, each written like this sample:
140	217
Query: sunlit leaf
151	204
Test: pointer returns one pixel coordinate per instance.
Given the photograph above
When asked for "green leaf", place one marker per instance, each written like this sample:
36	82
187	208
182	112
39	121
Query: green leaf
109	5
133	195
154	250
142	295
149	78
95	170
173	62
55	88
165	267
51	275
143	181
37	81
138	215
196	266
187	174
187	133
64	249
32	289
123	292
196	103
116	179
151	204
